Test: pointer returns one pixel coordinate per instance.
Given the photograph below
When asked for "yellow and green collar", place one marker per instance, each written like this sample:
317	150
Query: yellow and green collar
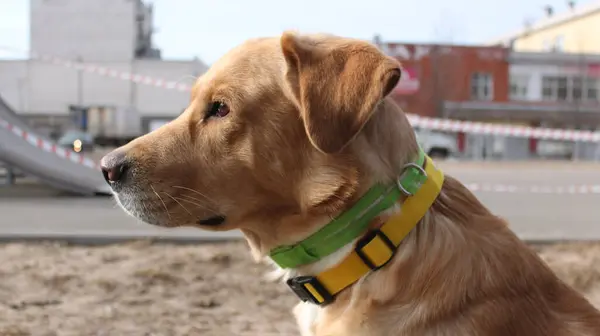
420	182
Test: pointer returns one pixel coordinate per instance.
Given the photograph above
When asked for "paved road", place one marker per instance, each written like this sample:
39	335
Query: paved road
539	215
533	216
31	211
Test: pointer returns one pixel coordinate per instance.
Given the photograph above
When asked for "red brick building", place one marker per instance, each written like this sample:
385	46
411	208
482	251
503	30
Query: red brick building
496	84
437	74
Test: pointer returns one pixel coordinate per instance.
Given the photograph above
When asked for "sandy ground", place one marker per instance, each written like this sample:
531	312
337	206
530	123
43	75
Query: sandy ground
143	288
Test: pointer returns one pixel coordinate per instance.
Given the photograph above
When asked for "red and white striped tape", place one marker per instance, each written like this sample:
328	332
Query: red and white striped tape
505	130
122	75
534	189
48	146
416	120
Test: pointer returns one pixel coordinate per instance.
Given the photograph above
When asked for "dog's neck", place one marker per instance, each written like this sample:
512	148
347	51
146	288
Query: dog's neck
386	144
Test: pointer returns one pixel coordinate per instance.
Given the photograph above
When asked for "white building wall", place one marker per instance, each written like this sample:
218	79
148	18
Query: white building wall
37	88
14	84
98	90
90	29
535	72
534	76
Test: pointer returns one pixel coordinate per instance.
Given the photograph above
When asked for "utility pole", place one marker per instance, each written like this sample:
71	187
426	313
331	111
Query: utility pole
132	86
79	81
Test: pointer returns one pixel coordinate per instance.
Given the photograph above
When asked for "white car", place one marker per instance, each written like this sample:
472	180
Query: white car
436	144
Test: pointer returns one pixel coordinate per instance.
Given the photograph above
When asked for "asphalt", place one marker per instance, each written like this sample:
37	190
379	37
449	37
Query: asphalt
31	211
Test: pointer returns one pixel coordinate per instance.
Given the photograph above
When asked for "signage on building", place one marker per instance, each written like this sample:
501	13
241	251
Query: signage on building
406	52
590	70
416	52
408	83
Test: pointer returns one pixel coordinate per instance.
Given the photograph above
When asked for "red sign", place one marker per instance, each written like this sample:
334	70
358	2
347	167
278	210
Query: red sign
590	70
408	83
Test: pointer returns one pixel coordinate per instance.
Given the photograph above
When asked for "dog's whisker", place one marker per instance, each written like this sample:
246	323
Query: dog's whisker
204	206
194	191
174	199
194	203
161	200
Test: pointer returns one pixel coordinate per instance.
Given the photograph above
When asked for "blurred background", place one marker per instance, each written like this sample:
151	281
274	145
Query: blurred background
504	95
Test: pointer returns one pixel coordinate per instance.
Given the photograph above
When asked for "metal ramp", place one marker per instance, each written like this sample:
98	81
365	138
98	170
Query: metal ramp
37	156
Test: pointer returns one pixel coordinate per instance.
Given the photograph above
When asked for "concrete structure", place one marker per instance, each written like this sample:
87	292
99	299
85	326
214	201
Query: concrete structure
574	30
92	30
42	92
115	34
36	157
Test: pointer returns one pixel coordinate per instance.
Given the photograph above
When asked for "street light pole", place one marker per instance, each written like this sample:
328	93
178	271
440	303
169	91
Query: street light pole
80	81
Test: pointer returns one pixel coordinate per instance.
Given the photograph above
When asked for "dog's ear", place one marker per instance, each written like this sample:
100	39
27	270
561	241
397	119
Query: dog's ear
337	86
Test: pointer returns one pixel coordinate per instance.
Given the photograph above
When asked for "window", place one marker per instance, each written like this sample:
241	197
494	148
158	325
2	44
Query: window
563	88
482	86
562	91
576	88
518	87
555	88
559	43
548	88
591	89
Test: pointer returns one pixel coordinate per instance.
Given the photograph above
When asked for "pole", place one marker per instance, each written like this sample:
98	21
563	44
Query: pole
132	87
79	81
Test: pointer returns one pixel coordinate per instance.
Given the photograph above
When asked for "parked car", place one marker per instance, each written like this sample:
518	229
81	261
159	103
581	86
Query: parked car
77	141
437	145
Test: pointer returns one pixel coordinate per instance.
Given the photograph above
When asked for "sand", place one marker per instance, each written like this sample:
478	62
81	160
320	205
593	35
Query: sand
144	288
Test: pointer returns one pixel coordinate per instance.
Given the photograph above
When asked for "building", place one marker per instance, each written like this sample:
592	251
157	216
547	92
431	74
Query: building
498	85
556	90
92	30
574	30
437	74
115	34
495	84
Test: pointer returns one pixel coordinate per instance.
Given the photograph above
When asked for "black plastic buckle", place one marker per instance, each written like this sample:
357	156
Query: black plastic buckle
298	285
369	238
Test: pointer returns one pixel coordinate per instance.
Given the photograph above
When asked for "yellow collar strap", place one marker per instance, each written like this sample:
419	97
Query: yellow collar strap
375	249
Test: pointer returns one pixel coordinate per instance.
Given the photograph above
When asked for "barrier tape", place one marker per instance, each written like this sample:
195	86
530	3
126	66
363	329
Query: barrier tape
48	146
505	130
122	75
416	120
534	189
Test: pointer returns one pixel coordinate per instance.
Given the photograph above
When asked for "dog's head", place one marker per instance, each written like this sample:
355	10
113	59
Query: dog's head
271	139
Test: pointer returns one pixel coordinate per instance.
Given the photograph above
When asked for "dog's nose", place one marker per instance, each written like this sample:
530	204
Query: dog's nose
114	166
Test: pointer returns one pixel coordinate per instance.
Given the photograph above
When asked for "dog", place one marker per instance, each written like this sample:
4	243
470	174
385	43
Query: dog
282	139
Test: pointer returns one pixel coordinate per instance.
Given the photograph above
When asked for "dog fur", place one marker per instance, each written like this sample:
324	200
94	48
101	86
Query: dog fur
310	129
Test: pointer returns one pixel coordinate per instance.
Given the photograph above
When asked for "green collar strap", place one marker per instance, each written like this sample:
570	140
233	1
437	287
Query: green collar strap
354	222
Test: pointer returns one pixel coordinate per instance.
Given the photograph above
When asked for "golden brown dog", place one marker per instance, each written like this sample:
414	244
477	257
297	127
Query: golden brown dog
283	134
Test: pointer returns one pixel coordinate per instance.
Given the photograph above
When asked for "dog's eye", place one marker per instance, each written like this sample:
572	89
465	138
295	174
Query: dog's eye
217	109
